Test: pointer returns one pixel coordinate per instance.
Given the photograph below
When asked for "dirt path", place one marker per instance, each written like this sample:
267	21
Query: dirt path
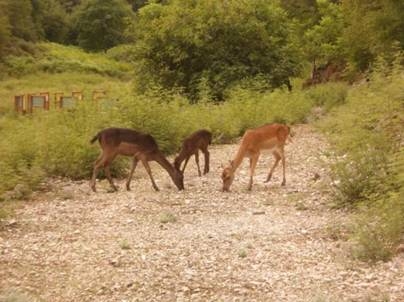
272	244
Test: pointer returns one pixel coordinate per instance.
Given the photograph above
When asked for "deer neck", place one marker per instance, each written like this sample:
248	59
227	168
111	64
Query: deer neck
238	159
161	159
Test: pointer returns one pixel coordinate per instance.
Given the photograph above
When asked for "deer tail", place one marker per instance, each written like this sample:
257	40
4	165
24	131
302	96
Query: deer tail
95	138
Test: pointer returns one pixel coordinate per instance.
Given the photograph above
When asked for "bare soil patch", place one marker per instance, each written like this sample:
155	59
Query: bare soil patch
271	244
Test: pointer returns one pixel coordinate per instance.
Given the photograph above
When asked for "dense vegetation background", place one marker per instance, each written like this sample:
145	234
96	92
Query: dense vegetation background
173	66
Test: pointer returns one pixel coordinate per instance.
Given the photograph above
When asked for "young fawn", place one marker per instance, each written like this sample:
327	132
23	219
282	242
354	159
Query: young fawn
199	140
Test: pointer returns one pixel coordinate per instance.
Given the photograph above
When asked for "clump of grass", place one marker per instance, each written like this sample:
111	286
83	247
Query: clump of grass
300	206
16	296
379	228
3	213
167	217
242	253
20	192
336	230
124	244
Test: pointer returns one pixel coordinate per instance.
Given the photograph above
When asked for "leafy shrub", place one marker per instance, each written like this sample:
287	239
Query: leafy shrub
328	95
379	228
167	217
367	135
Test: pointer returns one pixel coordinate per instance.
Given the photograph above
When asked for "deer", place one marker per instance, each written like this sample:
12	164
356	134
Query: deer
199	140
267	137
140	146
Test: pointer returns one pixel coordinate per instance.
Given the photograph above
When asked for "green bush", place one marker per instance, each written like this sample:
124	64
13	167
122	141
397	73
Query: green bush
379	228
367	136
328	95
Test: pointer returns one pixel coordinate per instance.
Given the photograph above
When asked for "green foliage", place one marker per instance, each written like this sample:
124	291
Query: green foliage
304	11
55	58
100	24
379	228
367	135
167	217
20	16
52	20
328	95
322	42
185	43
372	28
365	132
5	33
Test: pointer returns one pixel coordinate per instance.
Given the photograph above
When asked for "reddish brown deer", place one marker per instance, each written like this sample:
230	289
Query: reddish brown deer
267	137
199	140
143	147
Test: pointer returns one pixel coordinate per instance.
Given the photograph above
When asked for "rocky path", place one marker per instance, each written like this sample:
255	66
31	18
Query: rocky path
272	244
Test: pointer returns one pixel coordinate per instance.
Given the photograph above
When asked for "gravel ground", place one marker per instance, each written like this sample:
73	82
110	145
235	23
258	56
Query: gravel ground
271	244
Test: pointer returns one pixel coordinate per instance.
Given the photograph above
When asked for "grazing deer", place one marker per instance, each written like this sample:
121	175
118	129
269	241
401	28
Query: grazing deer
140	146
267	137
198	140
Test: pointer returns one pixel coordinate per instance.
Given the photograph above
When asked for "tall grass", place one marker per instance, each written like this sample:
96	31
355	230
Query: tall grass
56	58
367	134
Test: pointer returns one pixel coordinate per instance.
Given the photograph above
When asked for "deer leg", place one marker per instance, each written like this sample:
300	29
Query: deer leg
253	164
97	165
283	167
148	170
108	175
206	168
134	164
185	164
277	159
197	162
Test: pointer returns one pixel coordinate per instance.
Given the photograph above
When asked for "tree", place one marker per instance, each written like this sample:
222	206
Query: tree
137	4
373	28
322	41
304	11
5	33
21	22
51	20
218	43
100	24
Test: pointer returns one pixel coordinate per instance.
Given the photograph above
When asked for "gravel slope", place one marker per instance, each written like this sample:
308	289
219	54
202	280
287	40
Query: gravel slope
272	244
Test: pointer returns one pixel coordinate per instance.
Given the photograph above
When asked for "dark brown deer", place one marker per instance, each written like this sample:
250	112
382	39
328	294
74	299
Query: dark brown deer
198	140
143	147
